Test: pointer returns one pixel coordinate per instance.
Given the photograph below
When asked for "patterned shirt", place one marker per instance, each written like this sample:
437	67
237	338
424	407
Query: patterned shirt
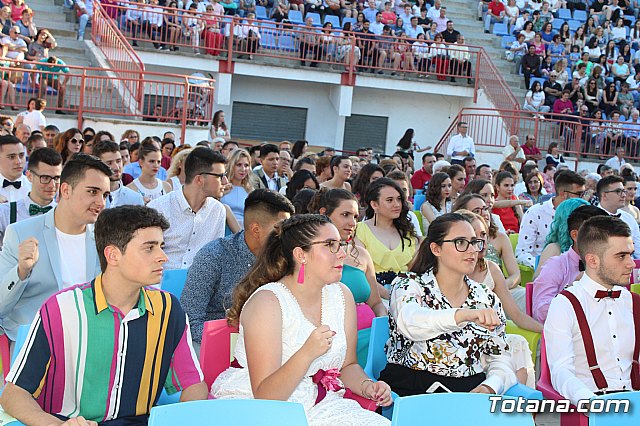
86	358
424	334
534	228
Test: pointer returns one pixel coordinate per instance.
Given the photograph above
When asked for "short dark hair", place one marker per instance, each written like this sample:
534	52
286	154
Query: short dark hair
167	141
103	147
605	182
200	161
52	127
227	143
427	154
44	155
565	178
9	140
267	149
478	169
468	158
594	234
35	136
254	148
582	214
262	204
75	169
117	226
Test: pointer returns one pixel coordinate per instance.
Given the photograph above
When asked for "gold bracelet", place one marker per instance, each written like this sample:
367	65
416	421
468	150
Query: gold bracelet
362	387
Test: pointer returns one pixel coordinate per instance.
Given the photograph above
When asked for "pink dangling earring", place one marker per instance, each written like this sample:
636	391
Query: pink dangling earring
301	274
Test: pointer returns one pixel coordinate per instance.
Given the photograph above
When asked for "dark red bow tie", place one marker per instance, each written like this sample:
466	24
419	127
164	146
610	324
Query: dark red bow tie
601	294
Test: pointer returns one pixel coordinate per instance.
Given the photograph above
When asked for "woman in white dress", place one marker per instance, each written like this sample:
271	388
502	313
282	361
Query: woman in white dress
488	273
148	184
297	328
437	201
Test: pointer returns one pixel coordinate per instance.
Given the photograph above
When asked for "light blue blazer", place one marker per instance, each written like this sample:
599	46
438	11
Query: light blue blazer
20	300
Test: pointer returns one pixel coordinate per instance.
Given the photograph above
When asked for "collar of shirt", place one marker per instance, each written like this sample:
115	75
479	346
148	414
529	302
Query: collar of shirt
590	286
100	300
184	204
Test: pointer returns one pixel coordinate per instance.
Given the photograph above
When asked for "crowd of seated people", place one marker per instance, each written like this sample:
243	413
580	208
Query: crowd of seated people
301	257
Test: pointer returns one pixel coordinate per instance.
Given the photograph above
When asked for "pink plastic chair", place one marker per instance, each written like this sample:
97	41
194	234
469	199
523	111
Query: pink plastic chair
4	355
529	298
544	385
215	355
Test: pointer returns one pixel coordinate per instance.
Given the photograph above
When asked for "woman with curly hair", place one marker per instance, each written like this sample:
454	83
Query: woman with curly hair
438	199
130	135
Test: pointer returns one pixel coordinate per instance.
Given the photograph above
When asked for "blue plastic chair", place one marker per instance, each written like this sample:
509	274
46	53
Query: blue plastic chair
268	40
237	412
352	20
173	281
295	17
580	15
506	41
462	408
629	418
286	43
534	79
564	14
335	20
557	23
261	12
317	22
500	29
573	24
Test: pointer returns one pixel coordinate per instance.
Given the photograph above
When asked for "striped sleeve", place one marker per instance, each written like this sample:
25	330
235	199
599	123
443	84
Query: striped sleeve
184	370
32	363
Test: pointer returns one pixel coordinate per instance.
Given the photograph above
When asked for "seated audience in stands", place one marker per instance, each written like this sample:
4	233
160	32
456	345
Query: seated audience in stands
151	332
560	271
45	254
287	336
589	356
536	222
435	304
207	292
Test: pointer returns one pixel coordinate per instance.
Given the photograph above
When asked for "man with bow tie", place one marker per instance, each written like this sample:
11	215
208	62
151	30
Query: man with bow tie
15	185
592	330
45	167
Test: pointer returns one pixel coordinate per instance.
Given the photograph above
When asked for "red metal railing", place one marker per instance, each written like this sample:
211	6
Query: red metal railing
183	99
233	37
576	136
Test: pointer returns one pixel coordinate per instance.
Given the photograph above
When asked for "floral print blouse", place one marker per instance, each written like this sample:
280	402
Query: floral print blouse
424	334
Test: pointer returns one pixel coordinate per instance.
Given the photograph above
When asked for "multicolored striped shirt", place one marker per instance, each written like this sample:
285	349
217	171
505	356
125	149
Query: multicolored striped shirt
86	358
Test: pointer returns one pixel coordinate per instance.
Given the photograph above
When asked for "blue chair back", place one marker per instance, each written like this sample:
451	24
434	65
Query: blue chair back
618	419
557	23
295	17
573	24
580	15
261	12
173	281
541	80
469	409
317	22
500	29
237	412
352	20
506	41
564	14
335	20
377	357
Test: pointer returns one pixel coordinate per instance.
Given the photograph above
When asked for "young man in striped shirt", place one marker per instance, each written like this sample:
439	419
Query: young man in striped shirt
103	351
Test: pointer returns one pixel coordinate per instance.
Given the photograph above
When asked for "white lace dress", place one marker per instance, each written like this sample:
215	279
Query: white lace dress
333	409
518	345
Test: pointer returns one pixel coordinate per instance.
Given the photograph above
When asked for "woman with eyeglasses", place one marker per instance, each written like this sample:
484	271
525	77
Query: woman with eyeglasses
488	273
147	184
443	324
297	328
358	273
69	143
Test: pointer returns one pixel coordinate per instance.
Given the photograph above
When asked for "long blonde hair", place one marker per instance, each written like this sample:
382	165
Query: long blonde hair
231	168
177	163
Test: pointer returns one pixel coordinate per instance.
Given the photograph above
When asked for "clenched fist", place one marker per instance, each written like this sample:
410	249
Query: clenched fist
27	257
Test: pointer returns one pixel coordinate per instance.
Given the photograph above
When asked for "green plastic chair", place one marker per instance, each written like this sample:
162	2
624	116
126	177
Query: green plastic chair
514	241
531	337
418	214
635	288
526	274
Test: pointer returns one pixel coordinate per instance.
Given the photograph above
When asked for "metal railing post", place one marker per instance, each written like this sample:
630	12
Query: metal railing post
81	100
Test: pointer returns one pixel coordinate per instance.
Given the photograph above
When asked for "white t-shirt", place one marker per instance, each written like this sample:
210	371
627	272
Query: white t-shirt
34	120
73	258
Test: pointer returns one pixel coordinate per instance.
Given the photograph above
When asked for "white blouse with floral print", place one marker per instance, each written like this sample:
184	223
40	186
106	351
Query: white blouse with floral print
424	334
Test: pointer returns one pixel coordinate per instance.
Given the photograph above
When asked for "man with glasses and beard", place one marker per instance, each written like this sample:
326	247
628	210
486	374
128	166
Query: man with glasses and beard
612	194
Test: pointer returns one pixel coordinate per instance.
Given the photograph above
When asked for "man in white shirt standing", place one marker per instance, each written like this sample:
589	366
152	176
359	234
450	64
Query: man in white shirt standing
15	185
461	145
35	119
45	167
109	153
590	340
193	211
617	160
612	194
536	222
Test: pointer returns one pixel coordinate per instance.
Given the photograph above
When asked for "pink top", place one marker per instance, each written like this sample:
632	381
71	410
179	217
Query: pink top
556	274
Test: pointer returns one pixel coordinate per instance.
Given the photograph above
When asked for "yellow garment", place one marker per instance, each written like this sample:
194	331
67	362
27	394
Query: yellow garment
396	260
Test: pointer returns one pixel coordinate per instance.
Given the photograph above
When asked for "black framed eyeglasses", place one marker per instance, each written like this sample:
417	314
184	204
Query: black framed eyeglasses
619	191
334	245
480	210
46	179
462	244
577	194
218	175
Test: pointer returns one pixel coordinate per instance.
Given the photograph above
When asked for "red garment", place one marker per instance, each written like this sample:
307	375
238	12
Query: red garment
496	7
389	18
165	162
420	179
508	217
530	151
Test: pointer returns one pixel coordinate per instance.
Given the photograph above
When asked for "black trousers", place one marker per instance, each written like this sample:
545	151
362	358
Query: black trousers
405	382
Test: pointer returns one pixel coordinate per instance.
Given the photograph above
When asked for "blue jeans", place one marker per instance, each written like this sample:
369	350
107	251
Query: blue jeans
488	20
83	20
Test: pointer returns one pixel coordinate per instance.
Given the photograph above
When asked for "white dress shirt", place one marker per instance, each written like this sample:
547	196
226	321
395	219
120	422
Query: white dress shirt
13	194
611	325
534	228
635	230
615	163
189	230
460	143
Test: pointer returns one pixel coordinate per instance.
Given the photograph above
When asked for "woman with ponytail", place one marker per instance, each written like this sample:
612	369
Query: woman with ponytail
358	272
297	328
445	329
387	234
